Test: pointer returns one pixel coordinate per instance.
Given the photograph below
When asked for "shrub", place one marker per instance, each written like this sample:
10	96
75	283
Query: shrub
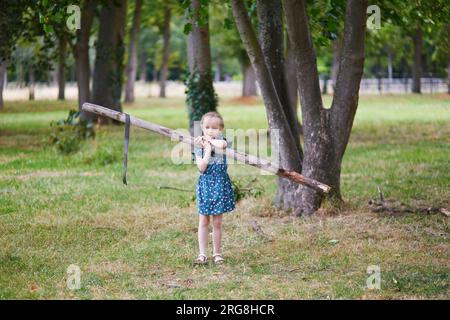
67	134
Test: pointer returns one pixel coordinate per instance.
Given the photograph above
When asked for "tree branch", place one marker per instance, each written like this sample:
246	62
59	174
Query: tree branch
305	60
351	67
289	156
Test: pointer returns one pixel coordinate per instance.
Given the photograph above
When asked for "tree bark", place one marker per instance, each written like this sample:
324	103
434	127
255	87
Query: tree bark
326	131
62	48
2	81
132	53
249	79
81	53
108	72
199	46
293	88
417	66
291	77
166	53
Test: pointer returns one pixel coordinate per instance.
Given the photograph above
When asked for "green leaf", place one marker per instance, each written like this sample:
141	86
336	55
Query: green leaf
48	29
227	23
187	28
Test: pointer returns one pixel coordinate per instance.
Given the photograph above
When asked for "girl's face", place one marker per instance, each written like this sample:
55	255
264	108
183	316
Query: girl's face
212	127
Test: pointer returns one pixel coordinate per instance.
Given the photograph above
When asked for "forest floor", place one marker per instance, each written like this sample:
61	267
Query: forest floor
138	241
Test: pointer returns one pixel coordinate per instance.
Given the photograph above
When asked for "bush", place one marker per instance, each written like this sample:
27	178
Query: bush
67	134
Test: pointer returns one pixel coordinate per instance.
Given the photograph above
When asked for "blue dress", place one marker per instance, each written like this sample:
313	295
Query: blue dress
215	194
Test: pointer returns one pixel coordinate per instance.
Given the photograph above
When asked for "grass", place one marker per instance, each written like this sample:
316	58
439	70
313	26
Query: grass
138	241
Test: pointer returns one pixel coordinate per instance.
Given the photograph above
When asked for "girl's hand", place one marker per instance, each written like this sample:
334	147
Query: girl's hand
208	139
199	140
207	147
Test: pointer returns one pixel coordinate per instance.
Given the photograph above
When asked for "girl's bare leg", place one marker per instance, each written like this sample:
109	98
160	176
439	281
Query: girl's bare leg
217	233
203	223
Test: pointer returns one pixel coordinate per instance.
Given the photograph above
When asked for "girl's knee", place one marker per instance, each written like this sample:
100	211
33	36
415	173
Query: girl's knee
217	222
203	221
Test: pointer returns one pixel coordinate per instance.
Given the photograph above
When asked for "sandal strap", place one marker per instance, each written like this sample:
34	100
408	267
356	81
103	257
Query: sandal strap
202	257
218	257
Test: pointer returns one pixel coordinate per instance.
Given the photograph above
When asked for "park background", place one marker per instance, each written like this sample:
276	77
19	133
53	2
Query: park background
62	201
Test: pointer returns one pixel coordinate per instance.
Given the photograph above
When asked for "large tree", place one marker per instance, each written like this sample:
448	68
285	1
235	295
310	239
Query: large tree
165	30
133	51
326	131
14	16
271	38
420	22
81	54
108	70
201	96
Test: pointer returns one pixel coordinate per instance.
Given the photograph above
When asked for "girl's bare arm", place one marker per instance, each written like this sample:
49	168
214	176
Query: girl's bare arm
220	144
202	163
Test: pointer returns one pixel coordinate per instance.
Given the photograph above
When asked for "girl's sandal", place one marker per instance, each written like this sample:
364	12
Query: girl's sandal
218	259
201	260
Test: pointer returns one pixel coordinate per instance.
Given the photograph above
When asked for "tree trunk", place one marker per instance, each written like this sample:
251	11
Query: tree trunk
417	66
285	150
166	53
2	81
31	83
81	54
293	88
62	48
200	51
326	131
249	79
132	53
271	37
199	58
108	71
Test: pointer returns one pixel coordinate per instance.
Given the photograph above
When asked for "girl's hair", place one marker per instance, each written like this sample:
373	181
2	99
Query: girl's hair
213	114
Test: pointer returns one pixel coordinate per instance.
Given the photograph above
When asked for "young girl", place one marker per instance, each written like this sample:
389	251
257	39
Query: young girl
215	194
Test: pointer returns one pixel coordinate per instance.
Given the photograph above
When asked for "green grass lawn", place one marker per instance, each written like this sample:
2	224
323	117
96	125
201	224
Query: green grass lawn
138	241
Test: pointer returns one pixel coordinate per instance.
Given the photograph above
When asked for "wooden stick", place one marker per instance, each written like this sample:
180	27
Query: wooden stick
230	153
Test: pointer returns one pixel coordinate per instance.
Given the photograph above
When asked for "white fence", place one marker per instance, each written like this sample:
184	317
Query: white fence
227	88
396	85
